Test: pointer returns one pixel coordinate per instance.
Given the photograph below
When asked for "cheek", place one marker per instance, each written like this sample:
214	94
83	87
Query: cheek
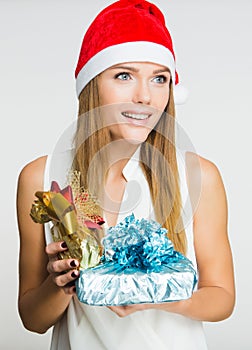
109	93
160	97
162	100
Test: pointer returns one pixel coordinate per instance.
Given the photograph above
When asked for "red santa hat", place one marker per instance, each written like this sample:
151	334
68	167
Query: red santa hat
127	31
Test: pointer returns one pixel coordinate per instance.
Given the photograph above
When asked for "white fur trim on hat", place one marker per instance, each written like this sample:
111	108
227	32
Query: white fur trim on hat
137	51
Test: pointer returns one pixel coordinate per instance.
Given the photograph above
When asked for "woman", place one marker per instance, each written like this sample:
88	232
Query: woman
127	68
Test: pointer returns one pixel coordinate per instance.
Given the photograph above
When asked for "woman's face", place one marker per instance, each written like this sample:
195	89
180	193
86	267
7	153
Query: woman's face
135	94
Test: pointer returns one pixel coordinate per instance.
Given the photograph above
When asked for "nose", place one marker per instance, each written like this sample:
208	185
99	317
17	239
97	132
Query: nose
142	93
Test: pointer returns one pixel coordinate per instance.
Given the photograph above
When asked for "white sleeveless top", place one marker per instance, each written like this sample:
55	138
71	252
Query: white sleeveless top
98	328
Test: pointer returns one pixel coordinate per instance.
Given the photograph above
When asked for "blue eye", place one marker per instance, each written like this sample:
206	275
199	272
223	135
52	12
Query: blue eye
160	79
123	76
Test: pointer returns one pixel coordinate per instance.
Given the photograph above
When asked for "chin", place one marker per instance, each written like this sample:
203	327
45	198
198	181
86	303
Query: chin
133	138
133	135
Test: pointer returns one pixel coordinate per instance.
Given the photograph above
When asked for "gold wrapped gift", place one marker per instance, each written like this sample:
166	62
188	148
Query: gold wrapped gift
78	230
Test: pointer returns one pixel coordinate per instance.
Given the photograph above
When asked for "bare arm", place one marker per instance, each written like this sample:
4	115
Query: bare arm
42	300
215	297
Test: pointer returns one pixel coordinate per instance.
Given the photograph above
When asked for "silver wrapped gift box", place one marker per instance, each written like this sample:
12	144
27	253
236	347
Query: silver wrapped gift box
139	265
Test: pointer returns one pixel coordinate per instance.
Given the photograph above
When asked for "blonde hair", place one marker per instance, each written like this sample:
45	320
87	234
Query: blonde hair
158	153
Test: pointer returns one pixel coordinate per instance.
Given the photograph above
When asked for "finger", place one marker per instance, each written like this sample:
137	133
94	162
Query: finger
63	280
70	289
61	265
123	311
54	248
119	310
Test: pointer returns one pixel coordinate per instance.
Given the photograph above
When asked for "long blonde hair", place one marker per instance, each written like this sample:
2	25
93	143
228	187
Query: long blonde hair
158	153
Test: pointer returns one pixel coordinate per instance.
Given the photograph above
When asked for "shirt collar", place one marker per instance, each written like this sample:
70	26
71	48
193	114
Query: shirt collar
131	169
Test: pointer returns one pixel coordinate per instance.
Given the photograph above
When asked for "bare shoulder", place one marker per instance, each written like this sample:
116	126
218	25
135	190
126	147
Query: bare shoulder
31	180
205	183
202	170
32	174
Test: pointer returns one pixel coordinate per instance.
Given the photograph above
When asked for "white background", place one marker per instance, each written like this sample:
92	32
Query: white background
40	42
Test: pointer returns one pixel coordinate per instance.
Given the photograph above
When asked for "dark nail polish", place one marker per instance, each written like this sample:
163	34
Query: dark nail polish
73	263
70	284
74	274
63	245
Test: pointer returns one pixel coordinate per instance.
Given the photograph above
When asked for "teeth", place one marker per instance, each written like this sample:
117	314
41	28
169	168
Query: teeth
135	116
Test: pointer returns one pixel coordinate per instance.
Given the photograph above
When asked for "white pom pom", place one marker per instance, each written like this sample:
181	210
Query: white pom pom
180	94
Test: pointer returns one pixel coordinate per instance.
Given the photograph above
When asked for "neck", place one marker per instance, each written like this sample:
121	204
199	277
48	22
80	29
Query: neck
119	152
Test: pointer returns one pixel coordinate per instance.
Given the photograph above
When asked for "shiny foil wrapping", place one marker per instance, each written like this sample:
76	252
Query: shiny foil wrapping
108	284
139	265
59	206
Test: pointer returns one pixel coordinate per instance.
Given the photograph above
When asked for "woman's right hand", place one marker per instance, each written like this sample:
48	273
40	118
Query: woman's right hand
64	272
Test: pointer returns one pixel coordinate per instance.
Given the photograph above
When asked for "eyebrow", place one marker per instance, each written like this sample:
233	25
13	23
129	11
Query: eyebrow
157	71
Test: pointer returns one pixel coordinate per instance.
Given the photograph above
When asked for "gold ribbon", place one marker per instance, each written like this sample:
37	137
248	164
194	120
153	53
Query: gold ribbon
81	241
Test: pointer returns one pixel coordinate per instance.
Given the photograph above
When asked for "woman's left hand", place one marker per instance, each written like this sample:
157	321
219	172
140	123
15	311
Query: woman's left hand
175	307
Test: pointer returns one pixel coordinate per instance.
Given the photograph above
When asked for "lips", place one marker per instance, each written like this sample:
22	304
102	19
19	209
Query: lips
136	115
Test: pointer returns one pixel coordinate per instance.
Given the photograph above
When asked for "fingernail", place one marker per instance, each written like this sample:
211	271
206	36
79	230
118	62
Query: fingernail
73	263
63	245
74	290
74	274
